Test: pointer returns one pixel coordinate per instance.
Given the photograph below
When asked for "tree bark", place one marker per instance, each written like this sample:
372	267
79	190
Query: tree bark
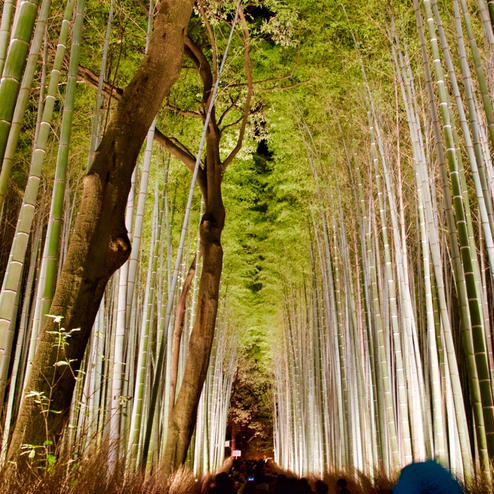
183	416
178	330
99	244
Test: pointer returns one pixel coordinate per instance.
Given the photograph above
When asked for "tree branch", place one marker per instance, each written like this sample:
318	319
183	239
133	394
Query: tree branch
180	151
173	145
233	105
186	113
177	149
248	73
284	88
270	79
88	76
239	119
212	40
203	67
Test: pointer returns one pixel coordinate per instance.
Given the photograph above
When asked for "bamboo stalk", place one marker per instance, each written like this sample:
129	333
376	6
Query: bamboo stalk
13	274
51	254
14	64
5	25
7	157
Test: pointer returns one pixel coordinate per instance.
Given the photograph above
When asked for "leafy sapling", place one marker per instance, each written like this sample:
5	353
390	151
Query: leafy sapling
43	455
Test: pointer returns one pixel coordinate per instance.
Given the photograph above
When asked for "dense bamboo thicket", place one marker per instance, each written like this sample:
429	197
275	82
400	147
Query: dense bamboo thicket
149	305
331	164
386	353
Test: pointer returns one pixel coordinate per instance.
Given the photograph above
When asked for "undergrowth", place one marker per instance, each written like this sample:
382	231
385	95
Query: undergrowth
92	475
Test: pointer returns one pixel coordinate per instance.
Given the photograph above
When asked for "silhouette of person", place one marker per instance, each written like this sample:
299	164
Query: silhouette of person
341	485
223	484
320	487
426	478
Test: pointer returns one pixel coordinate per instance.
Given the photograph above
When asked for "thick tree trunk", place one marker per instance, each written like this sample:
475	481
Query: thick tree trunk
178	330
183	416
99	244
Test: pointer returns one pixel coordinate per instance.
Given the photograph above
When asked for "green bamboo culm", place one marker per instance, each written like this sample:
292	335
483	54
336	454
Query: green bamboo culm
22	100
479	336
14	66
52	243
490	5
472	146
402	400
96	120
5	25
143	356
13	274
450	353
477	59
474	337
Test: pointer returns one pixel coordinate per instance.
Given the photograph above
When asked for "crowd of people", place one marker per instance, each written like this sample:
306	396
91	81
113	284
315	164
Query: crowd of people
263	477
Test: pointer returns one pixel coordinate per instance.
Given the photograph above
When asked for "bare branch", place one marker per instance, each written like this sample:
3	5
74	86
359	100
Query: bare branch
173	145
248	73
143	7
233	123
284	88
203	67
270	79
182	153
179	150
187	113
212	40
88	76
234	102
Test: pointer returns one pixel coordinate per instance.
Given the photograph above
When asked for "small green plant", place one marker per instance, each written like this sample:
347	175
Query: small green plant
43	455
46	459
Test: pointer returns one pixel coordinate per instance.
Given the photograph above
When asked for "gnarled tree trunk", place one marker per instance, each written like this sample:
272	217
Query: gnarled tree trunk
178	331
183	415
99	244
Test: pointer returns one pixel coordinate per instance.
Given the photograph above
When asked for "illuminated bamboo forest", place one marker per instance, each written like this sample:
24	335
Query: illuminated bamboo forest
245	228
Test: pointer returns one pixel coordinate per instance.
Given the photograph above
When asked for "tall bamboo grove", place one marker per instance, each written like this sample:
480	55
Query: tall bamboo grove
386	353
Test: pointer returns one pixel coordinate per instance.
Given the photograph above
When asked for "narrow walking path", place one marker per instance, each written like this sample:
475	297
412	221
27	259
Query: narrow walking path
265	477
